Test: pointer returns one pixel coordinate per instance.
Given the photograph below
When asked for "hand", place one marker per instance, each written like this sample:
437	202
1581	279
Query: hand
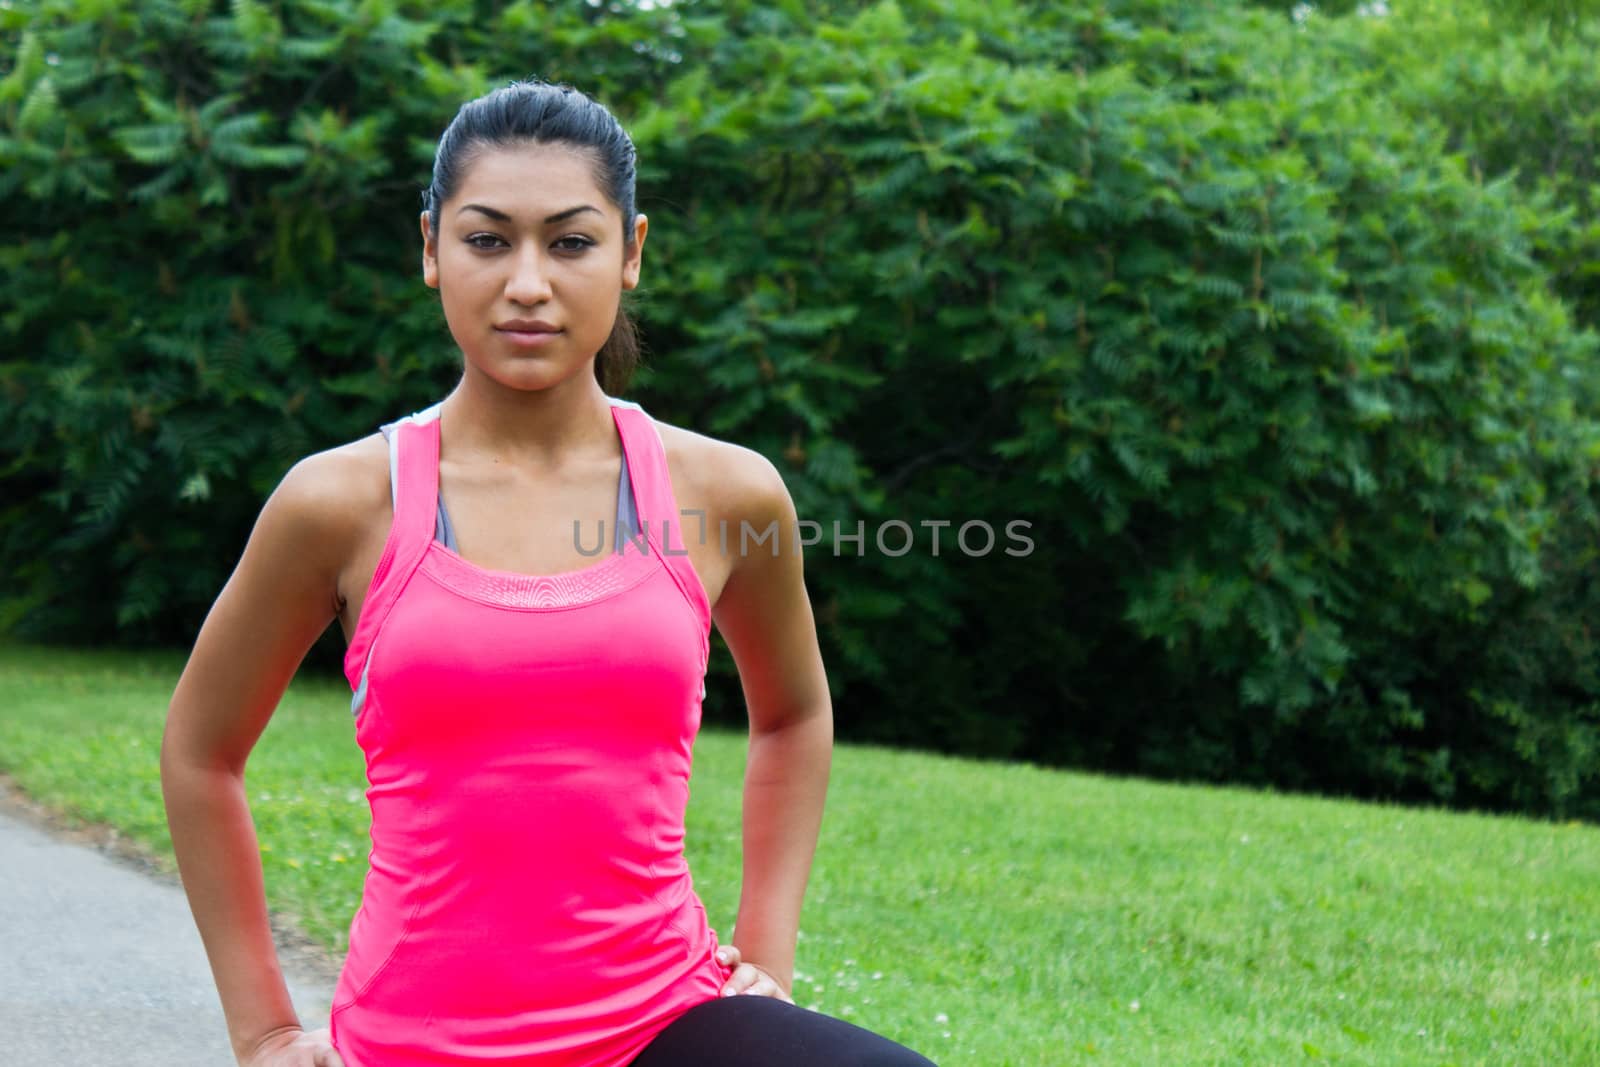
749	979
295	1048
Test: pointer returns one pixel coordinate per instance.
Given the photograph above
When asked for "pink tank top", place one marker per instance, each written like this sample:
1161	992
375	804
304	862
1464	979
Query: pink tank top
528	742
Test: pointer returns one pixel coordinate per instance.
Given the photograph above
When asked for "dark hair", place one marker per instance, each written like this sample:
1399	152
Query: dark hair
540	112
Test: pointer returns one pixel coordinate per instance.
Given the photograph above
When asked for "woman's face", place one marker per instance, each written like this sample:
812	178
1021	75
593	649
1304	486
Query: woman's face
556	255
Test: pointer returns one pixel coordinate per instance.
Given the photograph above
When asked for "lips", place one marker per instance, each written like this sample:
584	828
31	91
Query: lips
529	339
526	326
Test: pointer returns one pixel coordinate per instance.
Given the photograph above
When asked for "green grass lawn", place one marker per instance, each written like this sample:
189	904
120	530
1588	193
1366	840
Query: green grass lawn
989	913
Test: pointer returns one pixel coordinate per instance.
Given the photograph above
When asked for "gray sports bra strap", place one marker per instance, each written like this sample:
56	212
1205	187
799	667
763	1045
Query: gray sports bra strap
627	512
443	532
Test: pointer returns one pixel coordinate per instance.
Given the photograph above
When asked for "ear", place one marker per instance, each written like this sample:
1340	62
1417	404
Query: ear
635	256
430	256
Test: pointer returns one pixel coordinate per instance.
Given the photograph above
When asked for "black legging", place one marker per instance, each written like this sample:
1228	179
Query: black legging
754	1031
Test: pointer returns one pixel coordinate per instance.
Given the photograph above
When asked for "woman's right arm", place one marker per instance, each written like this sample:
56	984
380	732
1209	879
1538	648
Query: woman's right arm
278	601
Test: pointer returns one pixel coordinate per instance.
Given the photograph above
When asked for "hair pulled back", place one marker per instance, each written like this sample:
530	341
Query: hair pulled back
540	112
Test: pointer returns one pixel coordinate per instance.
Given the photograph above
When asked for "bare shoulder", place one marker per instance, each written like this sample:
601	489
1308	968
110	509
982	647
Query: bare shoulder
328	518
338	486
732	480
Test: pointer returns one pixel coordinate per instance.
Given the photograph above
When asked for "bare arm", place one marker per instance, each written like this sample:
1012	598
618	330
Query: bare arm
765	616
279	599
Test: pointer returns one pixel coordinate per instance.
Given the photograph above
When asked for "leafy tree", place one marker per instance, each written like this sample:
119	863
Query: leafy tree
1297	397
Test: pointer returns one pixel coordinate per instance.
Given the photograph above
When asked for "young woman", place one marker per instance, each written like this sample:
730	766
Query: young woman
527	708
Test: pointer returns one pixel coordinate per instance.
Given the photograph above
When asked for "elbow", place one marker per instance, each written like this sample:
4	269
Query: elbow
177	749
815	718
187	753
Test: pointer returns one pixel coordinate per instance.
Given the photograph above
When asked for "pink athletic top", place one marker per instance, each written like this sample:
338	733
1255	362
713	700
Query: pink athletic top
528	741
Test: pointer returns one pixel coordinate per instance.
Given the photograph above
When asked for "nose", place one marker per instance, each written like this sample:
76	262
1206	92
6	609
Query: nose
529	282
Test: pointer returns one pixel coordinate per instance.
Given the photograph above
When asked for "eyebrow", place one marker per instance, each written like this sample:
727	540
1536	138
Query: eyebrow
501	216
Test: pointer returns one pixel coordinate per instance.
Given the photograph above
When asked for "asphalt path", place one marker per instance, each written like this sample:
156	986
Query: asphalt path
101	964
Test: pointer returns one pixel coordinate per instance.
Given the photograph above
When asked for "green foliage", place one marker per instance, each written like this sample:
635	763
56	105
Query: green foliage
1517	91
1286	364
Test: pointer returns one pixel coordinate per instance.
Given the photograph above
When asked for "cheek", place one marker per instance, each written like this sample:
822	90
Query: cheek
592	287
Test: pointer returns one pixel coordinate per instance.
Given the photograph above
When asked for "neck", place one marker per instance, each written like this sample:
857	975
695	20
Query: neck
540	427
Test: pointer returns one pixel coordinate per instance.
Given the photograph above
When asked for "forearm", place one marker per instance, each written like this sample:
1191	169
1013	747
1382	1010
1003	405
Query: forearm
786	784
214	839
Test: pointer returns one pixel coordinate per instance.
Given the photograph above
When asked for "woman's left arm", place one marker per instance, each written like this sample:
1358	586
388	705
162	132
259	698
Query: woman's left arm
764	615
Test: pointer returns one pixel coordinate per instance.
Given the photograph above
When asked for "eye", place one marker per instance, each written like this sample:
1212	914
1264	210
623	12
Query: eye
475	239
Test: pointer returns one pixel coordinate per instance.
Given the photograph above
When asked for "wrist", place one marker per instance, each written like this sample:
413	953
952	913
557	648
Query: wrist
247	1049
783	978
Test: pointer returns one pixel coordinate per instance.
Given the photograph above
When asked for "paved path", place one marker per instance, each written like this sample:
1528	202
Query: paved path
101	964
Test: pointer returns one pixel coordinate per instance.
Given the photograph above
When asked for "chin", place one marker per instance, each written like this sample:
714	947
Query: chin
533	377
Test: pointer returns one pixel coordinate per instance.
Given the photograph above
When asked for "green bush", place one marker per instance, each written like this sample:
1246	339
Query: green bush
1289	394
